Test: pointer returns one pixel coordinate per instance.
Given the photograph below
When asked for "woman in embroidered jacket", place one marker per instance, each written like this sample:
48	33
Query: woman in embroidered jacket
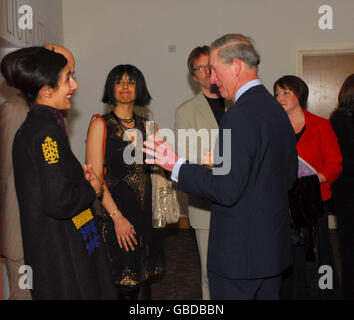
60	240
134	246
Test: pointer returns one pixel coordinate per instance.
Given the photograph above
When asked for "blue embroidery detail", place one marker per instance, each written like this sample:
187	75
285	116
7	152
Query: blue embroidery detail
89	233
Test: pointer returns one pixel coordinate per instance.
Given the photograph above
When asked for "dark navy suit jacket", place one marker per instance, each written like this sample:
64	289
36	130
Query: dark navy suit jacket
250	229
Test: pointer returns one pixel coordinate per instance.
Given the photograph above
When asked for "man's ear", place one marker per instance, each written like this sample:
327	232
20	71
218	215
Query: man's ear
46	92
237	65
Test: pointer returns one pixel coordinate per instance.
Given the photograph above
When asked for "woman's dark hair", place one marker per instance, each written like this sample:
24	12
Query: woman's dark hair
30	69
296	85
143	97
346	96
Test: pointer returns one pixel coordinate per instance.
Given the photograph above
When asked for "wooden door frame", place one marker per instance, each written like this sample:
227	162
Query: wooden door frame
319	50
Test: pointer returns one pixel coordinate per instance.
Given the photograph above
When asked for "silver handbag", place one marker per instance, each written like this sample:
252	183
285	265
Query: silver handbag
165	206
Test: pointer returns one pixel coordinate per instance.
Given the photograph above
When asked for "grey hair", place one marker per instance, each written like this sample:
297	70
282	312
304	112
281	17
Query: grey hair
235	45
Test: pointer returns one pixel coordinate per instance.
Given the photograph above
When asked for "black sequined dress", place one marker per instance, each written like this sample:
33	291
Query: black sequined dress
130	187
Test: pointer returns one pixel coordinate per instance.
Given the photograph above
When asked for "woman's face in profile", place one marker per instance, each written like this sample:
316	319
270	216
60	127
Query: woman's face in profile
287	99
61	97
124	90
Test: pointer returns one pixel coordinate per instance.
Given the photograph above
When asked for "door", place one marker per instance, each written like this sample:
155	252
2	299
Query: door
324	74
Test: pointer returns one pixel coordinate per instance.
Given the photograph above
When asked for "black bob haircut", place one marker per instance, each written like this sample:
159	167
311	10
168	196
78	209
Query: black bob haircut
143	97
296	85
29	69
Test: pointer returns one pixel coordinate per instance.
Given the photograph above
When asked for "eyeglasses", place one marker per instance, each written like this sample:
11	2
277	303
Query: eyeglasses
200	68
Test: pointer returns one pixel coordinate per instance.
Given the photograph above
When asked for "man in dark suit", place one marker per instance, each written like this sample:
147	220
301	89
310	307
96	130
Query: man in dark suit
249	242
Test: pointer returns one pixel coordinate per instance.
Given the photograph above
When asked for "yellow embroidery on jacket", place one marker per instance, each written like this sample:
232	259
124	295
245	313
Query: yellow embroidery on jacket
50	151
82	218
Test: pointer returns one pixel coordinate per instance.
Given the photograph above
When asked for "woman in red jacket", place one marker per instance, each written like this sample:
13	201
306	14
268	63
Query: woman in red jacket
316	144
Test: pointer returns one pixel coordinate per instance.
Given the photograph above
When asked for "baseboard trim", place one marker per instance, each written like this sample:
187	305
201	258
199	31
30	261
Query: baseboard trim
332	221
183	223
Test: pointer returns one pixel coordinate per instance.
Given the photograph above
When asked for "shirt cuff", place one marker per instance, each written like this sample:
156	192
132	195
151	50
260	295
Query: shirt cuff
175	170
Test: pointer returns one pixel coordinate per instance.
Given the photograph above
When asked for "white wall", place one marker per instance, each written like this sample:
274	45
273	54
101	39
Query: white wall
47	22
105	33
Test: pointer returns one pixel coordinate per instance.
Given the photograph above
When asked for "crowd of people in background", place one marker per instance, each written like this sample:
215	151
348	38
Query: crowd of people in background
262	228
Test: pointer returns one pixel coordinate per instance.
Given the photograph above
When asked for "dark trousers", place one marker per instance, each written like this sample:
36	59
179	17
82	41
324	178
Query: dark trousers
301	280
344	209
243	289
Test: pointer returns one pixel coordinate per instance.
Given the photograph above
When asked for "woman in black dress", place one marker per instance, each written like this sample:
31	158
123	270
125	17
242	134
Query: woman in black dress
342	120
134	247
59	231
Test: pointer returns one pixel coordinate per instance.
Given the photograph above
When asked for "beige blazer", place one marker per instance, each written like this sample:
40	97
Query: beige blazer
12	113
196	114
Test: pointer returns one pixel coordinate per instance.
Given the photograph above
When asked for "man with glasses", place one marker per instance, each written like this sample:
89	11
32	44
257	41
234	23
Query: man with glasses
204	111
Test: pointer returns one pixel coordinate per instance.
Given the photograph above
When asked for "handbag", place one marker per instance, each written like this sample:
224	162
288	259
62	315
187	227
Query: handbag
305	202
165	205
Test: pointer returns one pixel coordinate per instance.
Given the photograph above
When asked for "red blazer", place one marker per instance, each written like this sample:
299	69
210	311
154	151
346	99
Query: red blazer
319	147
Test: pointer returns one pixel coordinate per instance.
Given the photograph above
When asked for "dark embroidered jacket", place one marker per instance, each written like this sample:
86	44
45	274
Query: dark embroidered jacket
60	239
